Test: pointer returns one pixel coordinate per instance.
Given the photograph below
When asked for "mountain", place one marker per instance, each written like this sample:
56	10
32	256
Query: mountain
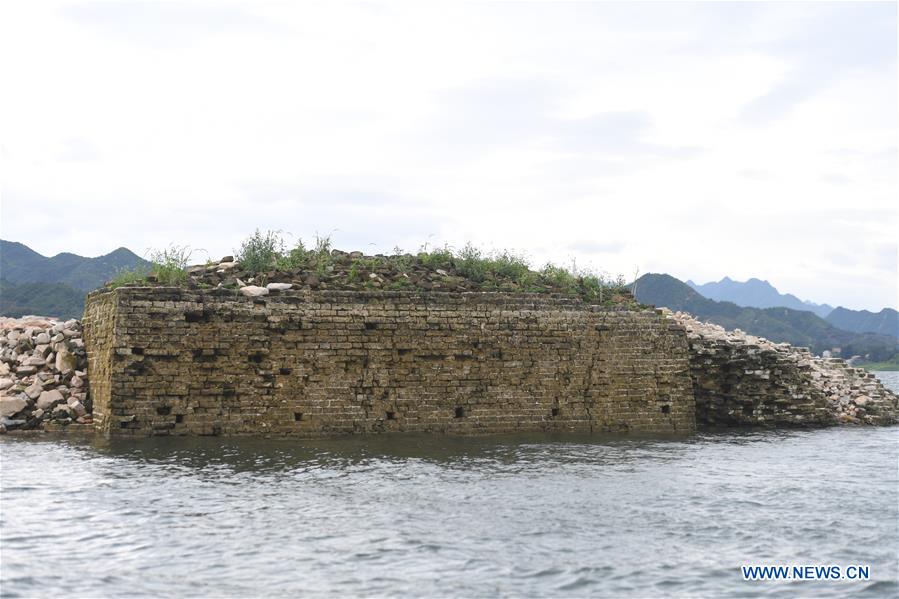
20	264
797	327
884	322
34	284
44	299
756	293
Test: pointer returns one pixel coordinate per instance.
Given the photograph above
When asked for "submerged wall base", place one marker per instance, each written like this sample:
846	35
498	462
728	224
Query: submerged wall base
309	364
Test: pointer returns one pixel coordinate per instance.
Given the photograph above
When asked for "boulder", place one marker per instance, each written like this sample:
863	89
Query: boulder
10	406
278	286
48	398
65	361
77	407
253	291
6	383
34	390
42	338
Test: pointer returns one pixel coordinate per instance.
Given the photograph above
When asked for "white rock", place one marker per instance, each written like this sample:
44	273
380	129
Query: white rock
48	398
77	407
278	286
11	405
6	383
42	339
77	381
34	390
65	361
253	291
4	368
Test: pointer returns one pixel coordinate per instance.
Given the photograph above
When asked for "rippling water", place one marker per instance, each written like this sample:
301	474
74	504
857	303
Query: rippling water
442	516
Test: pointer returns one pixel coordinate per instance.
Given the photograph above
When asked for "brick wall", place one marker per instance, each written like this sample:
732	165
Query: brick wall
309	364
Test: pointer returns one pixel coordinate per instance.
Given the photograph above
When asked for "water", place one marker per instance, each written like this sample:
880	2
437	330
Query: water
442	516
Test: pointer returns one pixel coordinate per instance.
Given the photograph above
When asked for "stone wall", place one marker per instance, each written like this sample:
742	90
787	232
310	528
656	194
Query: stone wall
740	380
309	364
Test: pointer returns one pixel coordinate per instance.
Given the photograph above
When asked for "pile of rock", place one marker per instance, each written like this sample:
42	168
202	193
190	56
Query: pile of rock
355	271
43	373
743	379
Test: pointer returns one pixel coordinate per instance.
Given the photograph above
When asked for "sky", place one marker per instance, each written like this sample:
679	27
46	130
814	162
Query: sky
701	140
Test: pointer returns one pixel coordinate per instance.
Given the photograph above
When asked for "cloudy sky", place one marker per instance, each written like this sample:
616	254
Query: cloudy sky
702	140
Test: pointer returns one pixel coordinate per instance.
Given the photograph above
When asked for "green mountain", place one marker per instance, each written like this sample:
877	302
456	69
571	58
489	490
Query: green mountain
20	264
34	284
797	327
44	299
884	322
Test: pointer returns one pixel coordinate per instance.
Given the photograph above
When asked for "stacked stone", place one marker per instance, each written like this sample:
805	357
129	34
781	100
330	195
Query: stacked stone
355	271
43	373
740	379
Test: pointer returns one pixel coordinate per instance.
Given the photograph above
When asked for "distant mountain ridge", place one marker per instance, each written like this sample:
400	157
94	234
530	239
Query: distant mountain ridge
34	284
756	293
20	264
885	322
797	327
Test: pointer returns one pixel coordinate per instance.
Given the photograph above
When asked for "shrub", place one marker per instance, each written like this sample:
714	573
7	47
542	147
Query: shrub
127	277
260	251
170	265
295	258
437	258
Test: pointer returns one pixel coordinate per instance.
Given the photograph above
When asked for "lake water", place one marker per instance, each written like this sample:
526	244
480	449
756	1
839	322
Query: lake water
450	517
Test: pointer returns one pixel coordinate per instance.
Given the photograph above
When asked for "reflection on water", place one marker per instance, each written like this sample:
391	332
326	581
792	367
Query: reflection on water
529	515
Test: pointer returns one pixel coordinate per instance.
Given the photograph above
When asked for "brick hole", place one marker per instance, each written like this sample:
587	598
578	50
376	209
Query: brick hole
748	410
137	351
555	412
179	418
666	409
163	410
198	316
371	326
460	412
285	371
391	415
124	424
256	358
297	416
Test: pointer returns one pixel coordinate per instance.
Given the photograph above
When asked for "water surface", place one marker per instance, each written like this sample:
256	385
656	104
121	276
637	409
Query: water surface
527	515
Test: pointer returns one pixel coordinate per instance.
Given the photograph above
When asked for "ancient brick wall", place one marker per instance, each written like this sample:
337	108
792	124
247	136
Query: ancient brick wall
310	364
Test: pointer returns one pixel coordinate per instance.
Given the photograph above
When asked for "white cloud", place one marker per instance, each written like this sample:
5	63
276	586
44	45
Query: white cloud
750	140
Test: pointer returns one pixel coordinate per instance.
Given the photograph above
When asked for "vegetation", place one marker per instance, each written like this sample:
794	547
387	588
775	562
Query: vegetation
890	364
263	257
42	299
20	264
166	267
